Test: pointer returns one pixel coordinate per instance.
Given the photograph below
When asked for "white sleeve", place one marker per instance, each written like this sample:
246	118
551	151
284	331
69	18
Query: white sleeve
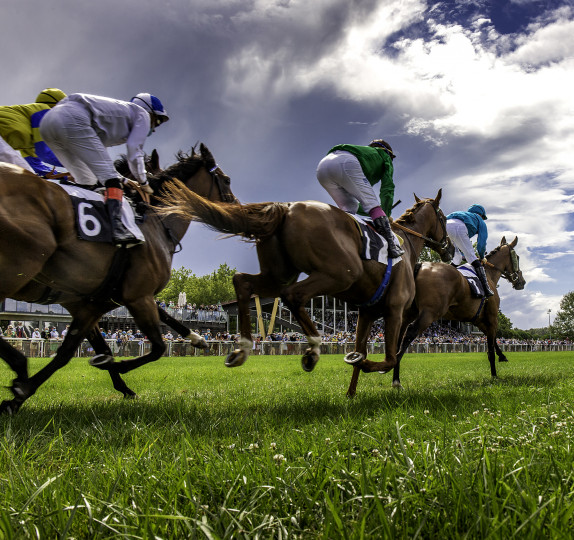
135	143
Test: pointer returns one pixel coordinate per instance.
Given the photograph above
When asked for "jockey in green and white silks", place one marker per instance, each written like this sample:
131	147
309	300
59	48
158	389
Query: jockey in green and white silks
81	128
348	172
461	227
20	139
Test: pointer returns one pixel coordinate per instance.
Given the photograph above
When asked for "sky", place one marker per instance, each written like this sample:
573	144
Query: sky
475	97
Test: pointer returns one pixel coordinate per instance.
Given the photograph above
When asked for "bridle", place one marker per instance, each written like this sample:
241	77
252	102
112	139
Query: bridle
223	187
440	246
513	275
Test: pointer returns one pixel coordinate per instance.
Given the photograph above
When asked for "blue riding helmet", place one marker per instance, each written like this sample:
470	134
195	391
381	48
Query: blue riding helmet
151	104
477	209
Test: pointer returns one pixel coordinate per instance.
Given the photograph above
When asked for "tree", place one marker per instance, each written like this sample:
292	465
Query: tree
563	326
504	326
428	255
209	289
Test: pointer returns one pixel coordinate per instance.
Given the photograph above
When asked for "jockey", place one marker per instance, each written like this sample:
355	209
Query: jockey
20	140
80	129
461	226
349	172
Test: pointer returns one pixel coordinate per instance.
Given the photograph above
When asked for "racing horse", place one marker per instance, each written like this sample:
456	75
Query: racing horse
443	292
324	243
39	247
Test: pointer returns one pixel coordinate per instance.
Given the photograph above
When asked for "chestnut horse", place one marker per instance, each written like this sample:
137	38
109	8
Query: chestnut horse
40	251
324	243
442	292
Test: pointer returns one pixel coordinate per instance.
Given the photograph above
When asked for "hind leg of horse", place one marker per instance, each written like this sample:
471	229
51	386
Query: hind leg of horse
245	286
296	297
15	359
499	353
22	390
104	355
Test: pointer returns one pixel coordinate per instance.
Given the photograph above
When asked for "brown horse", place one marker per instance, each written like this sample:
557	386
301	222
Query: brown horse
40	253
323	242
442	292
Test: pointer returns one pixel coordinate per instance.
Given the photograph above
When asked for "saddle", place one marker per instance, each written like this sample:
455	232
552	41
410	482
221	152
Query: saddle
468	272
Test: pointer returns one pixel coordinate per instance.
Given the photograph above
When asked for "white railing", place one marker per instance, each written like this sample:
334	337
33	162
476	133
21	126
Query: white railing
46	348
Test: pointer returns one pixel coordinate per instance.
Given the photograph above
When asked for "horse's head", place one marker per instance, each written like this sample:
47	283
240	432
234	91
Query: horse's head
432	221
200	174
504	259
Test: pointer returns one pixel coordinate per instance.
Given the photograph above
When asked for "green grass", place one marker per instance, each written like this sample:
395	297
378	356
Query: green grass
267	450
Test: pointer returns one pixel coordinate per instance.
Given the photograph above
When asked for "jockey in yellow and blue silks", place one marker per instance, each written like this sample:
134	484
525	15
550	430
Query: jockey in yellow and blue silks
461	227
20	139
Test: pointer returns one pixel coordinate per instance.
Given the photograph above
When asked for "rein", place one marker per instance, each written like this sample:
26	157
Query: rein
512	276
442	245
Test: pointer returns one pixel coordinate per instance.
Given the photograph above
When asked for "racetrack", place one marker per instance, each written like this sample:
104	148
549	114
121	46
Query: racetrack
267	449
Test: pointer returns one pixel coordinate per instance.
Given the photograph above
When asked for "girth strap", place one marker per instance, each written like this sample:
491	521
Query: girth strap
381	289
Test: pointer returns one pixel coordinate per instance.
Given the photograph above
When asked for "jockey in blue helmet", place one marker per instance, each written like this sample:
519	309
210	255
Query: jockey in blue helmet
461	227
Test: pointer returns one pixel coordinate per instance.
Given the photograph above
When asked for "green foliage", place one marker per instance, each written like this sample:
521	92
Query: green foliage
268	451
428	255
504	326
209	289
563	326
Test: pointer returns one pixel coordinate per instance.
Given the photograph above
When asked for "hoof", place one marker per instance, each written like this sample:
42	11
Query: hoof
396	384
503	359
235	359
101	361
354	358
309	361
8	407
202	344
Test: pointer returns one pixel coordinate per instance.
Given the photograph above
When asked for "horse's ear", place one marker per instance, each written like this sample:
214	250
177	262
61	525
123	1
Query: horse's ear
514	242
503	241
154	160
416	198
437	198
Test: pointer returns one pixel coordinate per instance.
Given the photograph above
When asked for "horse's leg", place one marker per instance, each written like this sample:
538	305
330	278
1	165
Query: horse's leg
15	359
196	340
104	355
499	353
146	316
245	286
22	390
296	297
490	344
364	324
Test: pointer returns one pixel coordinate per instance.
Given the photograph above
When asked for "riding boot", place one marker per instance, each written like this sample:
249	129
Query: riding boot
383	227
120	235
481	273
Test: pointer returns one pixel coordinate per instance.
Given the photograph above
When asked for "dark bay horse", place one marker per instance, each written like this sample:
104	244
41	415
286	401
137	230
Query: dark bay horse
40	252
324	243
442	292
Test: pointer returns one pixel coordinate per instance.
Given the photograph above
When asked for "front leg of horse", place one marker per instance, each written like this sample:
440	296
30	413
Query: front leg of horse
237	357
358	358
312	354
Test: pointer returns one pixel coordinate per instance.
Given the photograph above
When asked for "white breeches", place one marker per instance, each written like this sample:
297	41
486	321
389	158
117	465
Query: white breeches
9	155
458	233
67	130
340	173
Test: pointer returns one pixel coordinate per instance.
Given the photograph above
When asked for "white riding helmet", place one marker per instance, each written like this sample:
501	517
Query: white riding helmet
151	104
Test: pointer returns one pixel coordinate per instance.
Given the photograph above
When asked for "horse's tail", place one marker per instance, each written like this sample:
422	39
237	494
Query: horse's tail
252	221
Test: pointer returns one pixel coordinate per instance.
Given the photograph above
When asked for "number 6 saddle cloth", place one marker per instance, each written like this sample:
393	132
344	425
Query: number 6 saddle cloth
92	221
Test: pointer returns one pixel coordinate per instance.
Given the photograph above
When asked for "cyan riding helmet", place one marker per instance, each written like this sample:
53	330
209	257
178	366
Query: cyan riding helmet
152	105
384	145
477	209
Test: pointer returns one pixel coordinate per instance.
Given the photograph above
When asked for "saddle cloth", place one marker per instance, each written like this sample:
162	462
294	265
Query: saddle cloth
374	245
469	274
92	221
